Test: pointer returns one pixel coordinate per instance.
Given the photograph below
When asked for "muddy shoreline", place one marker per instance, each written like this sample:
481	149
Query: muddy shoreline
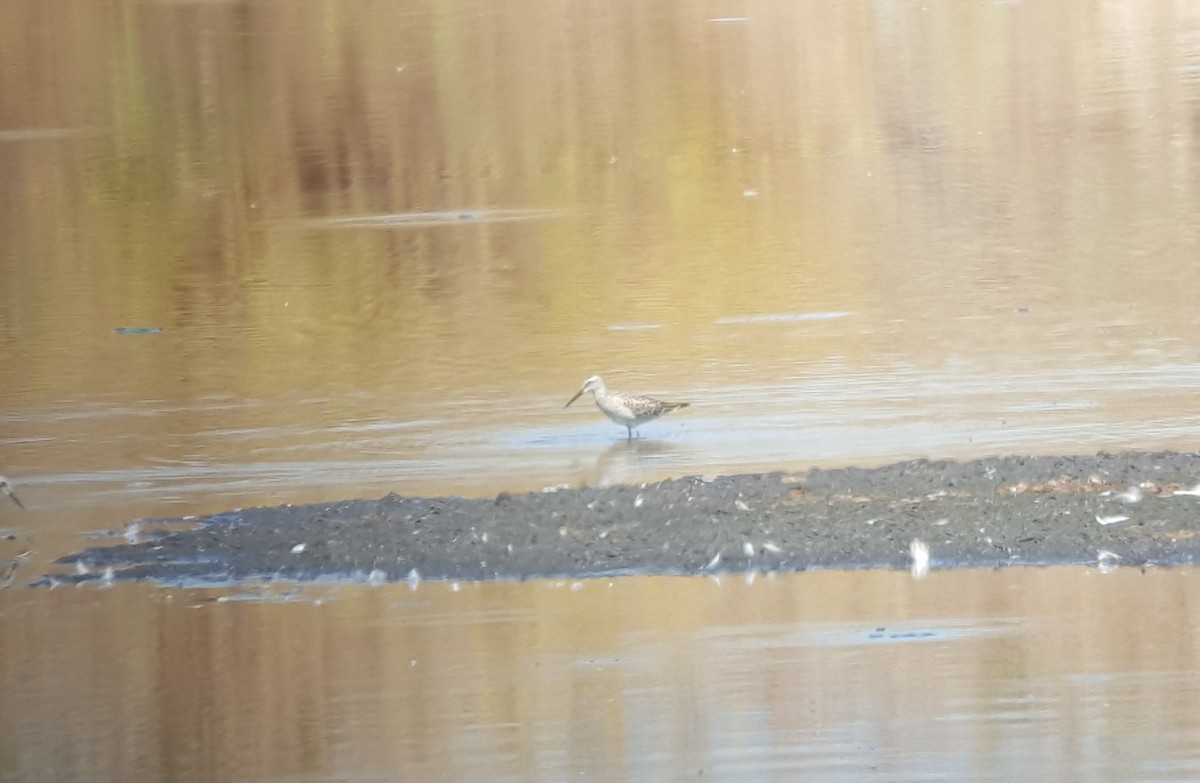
1130	509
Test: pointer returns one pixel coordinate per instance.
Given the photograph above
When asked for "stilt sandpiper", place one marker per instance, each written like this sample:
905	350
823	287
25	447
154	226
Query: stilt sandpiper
628	410
7	489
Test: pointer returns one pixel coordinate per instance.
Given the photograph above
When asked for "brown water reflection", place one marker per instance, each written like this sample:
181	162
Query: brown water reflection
385	243
847	233
1059	673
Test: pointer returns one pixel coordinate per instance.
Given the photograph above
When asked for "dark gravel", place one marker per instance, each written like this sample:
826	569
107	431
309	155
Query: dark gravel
989	512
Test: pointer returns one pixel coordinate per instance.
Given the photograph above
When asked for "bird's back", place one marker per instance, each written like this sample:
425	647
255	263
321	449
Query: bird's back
634	408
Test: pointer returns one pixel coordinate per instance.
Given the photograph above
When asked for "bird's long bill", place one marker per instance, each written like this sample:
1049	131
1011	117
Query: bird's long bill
578	394
16	499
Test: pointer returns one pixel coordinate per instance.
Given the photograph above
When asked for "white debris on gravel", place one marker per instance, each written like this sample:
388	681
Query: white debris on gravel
1131	496
413	579
1111	520
1194	491
747	549
298	548
918	550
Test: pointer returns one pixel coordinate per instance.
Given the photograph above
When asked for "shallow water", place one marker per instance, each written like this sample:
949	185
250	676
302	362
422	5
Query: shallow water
1055	673
267	252
236	273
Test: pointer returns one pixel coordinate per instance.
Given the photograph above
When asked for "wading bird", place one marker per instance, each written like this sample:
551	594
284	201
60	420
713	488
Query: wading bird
628	410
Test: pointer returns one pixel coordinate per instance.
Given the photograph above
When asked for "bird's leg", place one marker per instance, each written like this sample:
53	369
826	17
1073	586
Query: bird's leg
630	431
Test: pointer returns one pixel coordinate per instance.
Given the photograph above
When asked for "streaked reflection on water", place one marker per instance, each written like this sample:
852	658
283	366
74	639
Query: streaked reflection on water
421	219
241	274
1051	674
273	251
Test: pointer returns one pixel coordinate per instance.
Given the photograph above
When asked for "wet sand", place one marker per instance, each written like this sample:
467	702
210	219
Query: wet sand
987	512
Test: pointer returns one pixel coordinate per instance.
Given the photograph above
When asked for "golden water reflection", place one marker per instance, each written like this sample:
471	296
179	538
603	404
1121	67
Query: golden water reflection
845	233
927	170
385	244
847	675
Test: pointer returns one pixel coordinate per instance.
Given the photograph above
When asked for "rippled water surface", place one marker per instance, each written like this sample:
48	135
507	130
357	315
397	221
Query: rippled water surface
258	252
1053	674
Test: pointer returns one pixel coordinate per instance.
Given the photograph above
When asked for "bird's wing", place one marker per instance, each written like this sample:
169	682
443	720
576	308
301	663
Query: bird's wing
646	407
